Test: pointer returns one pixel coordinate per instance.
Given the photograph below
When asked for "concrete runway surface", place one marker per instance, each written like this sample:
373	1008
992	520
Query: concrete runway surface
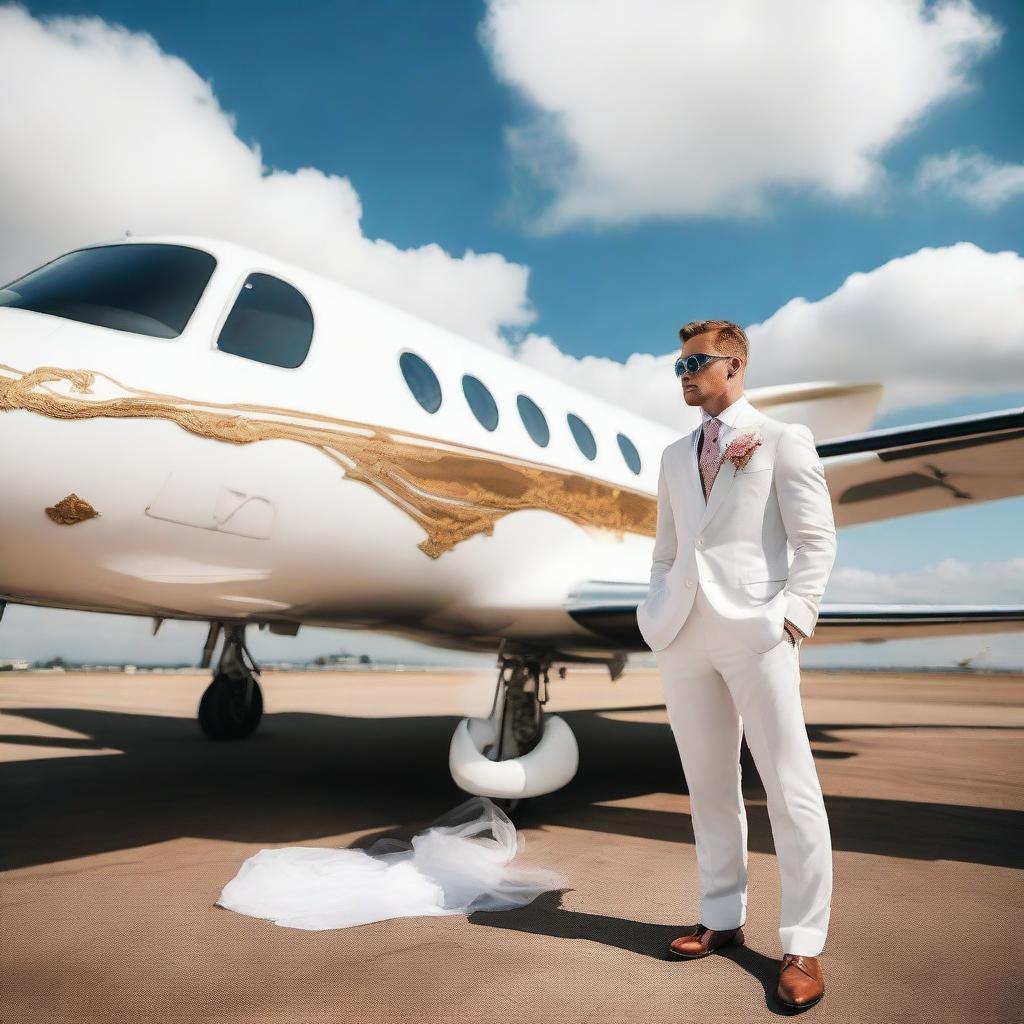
120	823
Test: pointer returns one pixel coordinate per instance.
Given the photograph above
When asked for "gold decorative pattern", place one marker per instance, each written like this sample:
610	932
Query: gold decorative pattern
70	510
453	491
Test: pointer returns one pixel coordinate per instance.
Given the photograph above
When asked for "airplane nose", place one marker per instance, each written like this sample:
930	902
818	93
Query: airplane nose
48	514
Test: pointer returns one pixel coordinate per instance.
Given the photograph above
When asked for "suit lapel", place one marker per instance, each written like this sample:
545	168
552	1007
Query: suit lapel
694	490
726	473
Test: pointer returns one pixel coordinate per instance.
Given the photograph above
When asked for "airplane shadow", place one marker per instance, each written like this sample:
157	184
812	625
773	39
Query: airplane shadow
302	776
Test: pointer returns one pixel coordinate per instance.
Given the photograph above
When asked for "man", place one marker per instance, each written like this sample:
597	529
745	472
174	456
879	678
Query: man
725	615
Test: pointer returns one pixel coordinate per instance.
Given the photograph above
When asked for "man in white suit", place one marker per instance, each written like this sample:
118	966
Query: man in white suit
725	615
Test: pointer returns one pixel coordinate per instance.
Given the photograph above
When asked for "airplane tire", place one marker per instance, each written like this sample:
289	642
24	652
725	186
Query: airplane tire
225	714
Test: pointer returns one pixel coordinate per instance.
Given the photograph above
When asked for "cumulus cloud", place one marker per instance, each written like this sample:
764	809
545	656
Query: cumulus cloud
674	108
949	582
972	176
102	131
938	324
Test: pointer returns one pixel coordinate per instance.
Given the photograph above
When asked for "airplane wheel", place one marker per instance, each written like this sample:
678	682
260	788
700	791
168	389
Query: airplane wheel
225	713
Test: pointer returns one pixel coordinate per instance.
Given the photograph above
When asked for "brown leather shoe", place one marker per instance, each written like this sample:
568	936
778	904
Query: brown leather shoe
702	941
801	982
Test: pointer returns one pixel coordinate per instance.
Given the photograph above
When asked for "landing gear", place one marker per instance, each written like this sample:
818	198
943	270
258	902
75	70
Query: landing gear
232	704
517	751
523	696
521	718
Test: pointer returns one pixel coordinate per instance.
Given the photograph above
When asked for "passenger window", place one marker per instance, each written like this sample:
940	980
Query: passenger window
629	453
584	438
421	381
481	401
270	322
534	421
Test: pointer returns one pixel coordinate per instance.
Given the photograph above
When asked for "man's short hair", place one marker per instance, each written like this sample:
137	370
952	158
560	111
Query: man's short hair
729	339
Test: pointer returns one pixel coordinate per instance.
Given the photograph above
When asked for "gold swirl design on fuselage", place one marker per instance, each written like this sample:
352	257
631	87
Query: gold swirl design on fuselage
453	491
70	509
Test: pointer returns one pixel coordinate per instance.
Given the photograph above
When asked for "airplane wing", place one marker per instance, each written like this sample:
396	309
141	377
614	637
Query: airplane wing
925	467
872	476
609	611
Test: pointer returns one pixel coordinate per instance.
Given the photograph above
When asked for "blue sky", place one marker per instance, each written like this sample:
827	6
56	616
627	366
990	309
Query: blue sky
411	104
400	97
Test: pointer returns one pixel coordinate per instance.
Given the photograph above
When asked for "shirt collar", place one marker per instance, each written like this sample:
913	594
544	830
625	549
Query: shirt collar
729	414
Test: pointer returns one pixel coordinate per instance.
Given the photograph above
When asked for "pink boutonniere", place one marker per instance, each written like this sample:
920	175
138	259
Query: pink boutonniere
741	448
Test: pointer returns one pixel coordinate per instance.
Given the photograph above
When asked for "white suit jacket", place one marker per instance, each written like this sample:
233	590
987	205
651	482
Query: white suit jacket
737	545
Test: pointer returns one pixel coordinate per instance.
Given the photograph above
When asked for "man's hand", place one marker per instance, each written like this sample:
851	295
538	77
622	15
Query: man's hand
795	632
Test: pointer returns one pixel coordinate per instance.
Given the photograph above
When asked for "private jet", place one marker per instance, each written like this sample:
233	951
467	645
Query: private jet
191	429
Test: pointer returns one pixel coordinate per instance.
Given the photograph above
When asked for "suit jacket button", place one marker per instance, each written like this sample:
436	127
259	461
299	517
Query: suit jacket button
689	583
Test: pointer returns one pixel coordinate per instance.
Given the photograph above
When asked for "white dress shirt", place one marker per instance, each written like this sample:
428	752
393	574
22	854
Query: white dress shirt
727	417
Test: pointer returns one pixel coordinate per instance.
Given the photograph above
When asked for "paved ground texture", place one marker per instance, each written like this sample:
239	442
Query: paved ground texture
120	823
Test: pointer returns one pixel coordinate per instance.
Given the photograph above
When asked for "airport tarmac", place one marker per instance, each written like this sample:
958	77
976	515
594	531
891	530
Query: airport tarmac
120	823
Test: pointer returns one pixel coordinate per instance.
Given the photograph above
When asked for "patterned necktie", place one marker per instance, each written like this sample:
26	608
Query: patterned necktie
710	455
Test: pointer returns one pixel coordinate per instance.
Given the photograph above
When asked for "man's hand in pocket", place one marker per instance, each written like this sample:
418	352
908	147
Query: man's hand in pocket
795	636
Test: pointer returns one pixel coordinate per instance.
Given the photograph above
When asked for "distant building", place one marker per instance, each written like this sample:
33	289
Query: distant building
341	660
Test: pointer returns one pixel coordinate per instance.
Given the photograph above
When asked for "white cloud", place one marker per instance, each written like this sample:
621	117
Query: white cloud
972	176
948	582
103	131
673	108
938	324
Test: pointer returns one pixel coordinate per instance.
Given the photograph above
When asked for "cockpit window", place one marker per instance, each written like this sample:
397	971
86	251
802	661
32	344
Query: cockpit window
142	287
270	322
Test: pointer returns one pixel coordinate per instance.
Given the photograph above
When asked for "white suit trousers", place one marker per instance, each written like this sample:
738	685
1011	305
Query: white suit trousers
714	694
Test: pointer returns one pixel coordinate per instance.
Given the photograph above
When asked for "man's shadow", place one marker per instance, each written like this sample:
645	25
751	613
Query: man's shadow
547	916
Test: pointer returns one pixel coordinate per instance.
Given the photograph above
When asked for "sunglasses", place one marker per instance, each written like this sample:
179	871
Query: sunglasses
695	362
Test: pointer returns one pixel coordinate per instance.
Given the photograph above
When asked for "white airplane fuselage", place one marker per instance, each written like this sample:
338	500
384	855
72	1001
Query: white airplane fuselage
231	489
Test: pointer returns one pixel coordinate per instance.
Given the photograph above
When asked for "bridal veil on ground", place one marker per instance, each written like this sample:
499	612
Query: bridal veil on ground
451	867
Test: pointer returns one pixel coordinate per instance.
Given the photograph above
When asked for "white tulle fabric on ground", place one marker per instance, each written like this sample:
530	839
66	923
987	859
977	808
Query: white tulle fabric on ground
450	867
